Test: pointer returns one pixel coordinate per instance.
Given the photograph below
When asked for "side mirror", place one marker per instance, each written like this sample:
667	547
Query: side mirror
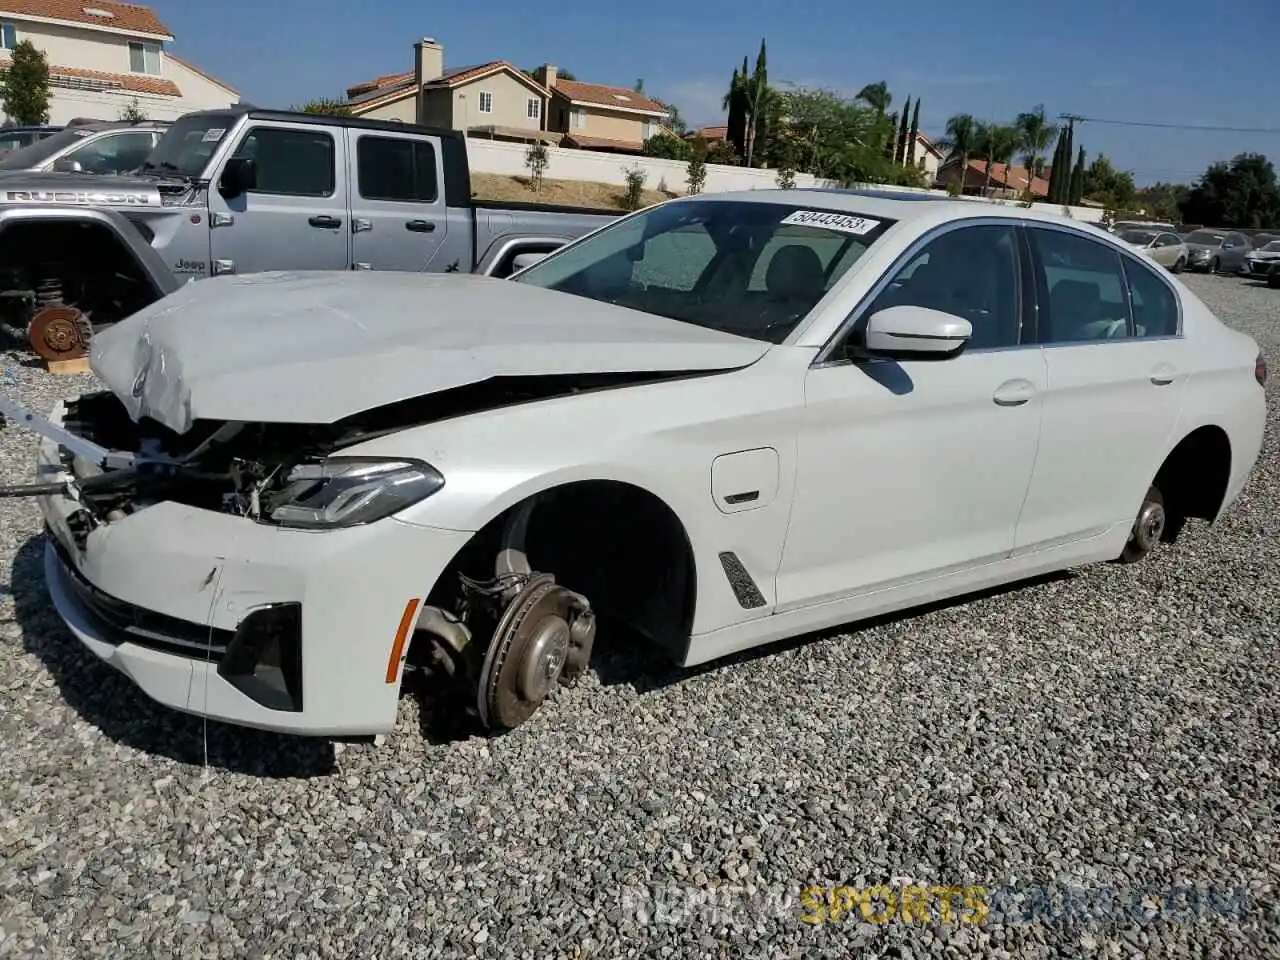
522	260
67	165
239	176
915	333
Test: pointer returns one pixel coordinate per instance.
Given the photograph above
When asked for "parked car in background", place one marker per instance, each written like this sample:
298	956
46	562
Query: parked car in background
1122	225
722	421
1260	240
15	138
92	146
1216	251
1162	246
1262	262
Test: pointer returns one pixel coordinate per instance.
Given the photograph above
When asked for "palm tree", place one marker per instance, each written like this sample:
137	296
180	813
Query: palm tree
960	142
877	97
997	143
1035	134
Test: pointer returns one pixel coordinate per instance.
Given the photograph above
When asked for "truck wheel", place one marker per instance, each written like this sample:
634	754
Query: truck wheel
1148	528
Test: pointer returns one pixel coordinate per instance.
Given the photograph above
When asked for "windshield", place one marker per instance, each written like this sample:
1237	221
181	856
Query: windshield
40	151
1205	237
746	268
1272	247
187	145
1141	237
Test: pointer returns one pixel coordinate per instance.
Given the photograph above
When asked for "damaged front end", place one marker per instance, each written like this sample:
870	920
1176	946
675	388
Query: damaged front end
507	637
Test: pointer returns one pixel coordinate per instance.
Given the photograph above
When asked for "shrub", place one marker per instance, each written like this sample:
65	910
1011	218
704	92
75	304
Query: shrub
697	173
536	159
133	113
953	189
633	199
787	177
666	147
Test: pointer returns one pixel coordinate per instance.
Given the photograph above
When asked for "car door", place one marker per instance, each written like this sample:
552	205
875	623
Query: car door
1110	327
116	152
295	218
399	217
911	469
1165	250
1234	248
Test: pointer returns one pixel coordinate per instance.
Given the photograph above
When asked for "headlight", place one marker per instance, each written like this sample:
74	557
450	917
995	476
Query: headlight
345	492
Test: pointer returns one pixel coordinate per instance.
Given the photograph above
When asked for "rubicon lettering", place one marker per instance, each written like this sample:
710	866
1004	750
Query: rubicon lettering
93	198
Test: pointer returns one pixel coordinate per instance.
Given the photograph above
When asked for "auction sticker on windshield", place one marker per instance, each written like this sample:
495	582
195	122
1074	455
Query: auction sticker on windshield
213	135
825	219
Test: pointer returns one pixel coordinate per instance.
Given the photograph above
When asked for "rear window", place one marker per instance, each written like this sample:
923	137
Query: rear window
392	168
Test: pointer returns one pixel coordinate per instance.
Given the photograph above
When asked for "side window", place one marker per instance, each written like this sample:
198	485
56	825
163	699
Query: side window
1155	306
390	168
117	153
293	163
971	272
1085	285
676	259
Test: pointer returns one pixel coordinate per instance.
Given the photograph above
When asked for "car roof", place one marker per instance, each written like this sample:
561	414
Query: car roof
893	205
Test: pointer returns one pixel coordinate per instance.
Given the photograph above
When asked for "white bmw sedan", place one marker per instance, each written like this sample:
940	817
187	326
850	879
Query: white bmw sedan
712	424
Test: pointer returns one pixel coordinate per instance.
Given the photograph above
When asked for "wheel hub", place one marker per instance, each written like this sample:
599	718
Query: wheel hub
544	657
59	333
1149	527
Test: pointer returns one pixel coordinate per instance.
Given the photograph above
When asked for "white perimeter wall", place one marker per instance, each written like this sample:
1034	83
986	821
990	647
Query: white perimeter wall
499	157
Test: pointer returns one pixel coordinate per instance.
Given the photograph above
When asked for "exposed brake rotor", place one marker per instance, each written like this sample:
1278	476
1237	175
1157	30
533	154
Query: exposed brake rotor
60	333
545	632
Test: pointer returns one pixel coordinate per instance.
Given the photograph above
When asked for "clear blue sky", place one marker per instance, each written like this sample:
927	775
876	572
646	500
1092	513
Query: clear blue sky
1205	62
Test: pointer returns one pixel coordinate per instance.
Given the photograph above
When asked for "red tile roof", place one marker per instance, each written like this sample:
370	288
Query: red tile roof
194	69
133	82
454	78
602	95
377	83
124	16
1013	178
715	132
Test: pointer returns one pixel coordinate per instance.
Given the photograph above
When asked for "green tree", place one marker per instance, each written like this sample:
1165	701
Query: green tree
1037	133
1060	173
891	141
1076	193
821	133
326	107
1160	200
900	152
757	109
24	88
913	135
674	121
1241	192
666	146
994	143
1105	184
960	140
736	102
536	159
560	74
877	97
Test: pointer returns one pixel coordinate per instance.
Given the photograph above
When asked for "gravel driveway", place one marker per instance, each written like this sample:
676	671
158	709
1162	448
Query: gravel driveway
1114	729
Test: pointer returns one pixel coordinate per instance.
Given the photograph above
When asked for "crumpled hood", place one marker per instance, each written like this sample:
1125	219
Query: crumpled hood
316	347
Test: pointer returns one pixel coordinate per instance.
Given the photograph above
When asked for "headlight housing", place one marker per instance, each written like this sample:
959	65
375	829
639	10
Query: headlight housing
349	491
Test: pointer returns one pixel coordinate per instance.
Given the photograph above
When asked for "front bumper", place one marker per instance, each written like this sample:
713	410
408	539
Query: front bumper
1260	269
169	594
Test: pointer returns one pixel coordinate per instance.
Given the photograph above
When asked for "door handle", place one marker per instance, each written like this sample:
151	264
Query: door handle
1014	393
325	221
1163	375
420	226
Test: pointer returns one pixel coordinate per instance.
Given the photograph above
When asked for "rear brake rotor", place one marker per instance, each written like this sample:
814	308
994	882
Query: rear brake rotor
527	653
59	333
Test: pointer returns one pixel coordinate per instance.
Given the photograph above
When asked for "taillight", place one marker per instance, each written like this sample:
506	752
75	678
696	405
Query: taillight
1260	370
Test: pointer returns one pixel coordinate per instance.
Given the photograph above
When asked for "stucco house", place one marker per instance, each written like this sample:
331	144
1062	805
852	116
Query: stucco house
103	55
597	116
1007	181
492	99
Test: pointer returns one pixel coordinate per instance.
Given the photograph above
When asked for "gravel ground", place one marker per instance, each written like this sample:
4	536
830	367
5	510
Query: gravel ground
1116	728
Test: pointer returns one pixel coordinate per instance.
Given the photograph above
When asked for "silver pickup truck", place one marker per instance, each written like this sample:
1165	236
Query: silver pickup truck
245	191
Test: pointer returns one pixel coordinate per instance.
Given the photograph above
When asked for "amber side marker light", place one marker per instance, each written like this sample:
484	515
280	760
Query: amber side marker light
402	635
1260	370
